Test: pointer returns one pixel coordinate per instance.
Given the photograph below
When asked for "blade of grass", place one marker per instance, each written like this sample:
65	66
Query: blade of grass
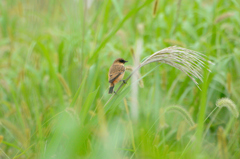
113	32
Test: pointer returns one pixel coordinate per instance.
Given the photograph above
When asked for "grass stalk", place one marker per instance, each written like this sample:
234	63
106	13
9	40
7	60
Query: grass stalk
201	114
113	32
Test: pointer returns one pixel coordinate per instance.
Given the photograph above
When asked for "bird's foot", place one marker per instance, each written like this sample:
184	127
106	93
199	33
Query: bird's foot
115	92
124	81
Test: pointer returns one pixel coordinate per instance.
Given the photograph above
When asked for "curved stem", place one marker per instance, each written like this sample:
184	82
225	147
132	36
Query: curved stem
128	78
123	84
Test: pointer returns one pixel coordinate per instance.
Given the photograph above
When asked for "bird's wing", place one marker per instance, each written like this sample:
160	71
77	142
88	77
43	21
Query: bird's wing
115	71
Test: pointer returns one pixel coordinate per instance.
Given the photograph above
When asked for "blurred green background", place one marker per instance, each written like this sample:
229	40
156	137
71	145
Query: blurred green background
54	61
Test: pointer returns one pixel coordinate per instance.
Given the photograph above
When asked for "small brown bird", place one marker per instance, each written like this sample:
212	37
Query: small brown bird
116	73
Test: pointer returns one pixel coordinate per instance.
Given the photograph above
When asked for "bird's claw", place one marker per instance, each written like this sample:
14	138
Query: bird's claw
124	81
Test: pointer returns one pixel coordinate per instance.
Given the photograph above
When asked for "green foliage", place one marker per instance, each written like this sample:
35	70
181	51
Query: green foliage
54	61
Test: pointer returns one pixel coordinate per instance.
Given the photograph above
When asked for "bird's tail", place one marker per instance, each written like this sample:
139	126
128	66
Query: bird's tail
111	89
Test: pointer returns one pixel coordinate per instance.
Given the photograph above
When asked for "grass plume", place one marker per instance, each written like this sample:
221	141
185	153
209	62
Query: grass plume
155	7
181	130
15	131
226	102
223	16
188	61
64	84
183	112
222	143
1	139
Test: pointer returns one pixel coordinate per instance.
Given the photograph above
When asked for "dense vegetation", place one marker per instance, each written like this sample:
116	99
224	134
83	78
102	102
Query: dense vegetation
54	61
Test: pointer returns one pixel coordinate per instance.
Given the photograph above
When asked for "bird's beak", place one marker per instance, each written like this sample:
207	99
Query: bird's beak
125	61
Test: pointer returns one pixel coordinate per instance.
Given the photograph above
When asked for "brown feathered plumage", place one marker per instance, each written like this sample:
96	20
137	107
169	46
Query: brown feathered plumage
116	73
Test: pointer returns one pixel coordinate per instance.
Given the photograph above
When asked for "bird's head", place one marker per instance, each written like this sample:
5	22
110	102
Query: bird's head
120	61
